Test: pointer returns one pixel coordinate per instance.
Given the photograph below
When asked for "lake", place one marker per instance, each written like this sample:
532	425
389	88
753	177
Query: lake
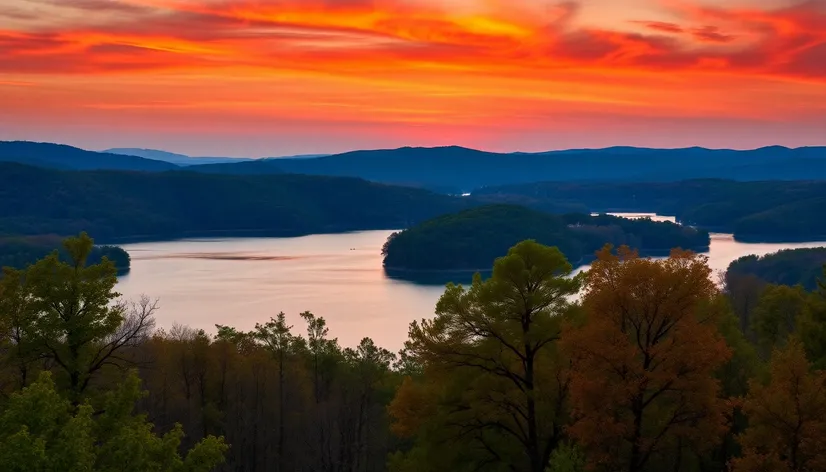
242	281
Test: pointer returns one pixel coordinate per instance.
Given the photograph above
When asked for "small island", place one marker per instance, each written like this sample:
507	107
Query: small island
465	241
21	251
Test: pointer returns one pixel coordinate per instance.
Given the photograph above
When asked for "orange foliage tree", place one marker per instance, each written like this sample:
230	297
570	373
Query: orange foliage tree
643	389
787	417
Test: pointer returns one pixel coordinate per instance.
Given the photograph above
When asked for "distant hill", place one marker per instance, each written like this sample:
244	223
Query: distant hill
297	156
257	167
177	159
58	156
754	211
455	169
113	205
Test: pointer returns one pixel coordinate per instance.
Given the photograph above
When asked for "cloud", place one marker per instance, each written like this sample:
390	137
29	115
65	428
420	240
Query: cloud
711	34
661	26
97	6
348	36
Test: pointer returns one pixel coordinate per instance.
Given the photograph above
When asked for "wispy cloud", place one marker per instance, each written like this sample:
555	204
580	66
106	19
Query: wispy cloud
287	34
492	62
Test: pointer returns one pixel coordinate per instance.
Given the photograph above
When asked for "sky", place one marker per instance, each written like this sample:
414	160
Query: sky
278	77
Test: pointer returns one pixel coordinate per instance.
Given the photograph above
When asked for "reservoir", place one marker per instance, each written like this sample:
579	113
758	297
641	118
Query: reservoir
243	281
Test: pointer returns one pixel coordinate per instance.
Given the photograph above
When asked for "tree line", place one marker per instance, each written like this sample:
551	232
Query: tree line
636	365
758	211
470	239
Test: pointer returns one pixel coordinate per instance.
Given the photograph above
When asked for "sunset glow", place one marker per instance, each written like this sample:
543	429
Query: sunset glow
272	77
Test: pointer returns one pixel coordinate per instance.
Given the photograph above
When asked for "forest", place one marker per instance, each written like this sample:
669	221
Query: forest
654	367
118	205
753	211
469	240
787	267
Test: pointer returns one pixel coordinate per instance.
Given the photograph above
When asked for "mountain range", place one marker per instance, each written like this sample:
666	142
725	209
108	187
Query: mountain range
185	161
454	169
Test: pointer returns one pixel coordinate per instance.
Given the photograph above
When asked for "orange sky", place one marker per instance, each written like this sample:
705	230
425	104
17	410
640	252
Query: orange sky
274	77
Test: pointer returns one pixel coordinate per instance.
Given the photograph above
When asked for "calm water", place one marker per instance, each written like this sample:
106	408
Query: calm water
239	282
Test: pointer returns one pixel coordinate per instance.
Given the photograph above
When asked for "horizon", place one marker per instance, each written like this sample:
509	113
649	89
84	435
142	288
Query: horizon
122	150
236	78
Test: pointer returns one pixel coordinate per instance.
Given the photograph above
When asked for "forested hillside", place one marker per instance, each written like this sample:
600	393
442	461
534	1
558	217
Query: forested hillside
653	368
456	170
59	156
467	240
770	210
114	205
788	267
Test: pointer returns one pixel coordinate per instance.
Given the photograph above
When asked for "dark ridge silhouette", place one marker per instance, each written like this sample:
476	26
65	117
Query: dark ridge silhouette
59	156
754	211
174	158
116	205
257	167
463	241
454	169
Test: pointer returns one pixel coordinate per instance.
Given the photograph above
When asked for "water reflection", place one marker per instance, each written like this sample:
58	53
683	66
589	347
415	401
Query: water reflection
242	281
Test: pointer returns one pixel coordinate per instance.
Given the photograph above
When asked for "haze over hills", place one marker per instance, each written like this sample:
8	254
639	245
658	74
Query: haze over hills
184	160
59	156
456	169
177	159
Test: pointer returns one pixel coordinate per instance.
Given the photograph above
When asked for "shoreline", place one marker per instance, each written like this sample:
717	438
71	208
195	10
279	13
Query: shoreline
583	261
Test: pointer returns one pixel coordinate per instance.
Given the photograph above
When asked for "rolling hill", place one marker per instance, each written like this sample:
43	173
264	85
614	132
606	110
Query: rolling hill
755	211
177	159
116	205
457	170
59	156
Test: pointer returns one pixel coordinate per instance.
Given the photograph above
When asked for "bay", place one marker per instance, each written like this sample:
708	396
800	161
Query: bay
243	281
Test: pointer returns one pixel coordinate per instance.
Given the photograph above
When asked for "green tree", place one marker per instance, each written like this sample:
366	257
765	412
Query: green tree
776	315
276	337
567	458
493	387
811	329
69	314
17	317
41	431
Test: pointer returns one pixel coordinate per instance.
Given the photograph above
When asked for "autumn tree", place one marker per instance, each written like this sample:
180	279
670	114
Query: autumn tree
787	417
643	388
493	388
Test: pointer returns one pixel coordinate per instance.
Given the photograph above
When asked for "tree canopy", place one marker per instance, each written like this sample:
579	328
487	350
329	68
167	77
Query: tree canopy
470	239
